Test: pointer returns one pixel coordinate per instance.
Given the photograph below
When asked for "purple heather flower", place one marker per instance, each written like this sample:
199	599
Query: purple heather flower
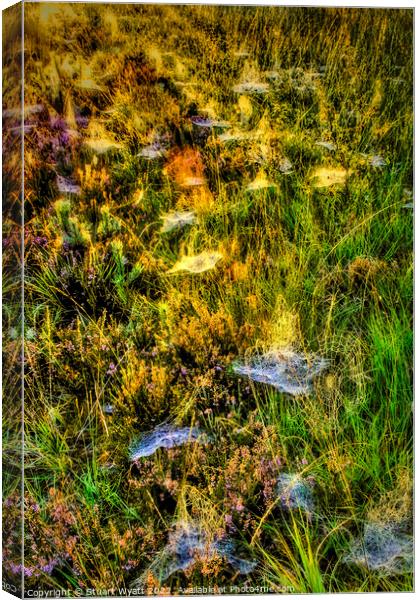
58	123
111	369
41	142
184	371
82	121
49	567
15	569
64	138
40	241
228	519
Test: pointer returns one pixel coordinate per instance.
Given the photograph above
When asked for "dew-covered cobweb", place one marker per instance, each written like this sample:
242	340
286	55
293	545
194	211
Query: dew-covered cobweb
177	220
67	186
251	87
197	264
153	151
188	544
382	548
285	370
208	122
165	436
285	166
295	493
327	145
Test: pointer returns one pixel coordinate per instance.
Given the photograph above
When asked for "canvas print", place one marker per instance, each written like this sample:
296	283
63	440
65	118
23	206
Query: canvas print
208	284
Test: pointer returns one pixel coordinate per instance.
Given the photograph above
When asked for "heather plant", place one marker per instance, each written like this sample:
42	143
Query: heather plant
218	302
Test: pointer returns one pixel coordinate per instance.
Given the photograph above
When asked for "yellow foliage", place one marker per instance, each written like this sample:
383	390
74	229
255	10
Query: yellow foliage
139	375
239	271
245	108
100	141
198	198
396	505
203	334
92	178
132	376
377	95
283	326
260	182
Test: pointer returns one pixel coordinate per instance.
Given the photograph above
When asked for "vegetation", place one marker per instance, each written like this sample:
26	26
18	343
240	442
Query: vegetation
285	136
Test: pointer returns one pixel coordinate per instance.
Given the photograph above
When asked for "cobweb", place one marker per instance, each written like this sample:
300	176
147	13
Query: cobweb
189	544
154	151
67	186
208	122
286	370
295	493
197	264
165	436
177	220
382	548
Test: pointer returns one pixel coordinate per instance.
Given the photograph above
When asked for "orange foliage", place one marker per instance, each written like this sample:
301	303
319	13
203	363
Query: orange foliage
185	164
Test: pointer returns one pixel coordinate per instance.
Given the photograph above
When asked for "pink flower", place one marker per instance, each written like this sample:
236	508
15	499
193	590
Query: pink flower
111	369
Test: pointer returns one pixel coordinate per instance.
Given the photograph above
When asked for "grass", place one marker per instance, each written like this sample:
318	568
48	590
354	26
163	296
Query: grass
319	259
